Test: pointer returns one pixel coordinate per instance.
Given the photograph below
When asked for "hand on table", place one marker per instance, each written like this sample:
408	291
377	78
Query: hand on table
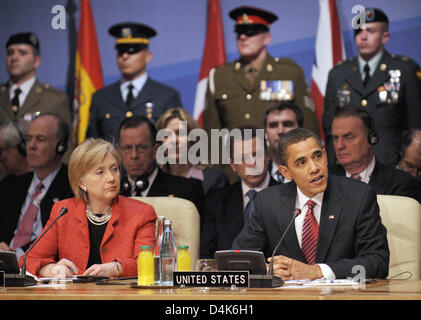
290	269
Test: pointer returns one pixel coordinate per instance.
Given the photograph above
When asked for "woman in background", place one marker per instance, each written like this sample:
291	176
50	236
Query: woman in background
102	232
176	120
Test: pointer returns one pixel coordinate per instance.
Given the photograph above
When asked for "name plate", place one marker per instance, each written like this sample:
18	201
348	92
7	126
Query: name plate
211	278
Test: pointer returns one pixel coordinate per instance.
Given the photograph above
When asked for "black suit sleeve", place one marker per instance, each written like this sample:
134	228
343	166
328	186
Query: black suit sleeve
208	230
371	250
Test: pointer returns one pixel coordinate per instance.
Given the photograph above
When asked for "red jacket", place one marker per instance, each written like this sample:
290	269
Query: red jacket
132	225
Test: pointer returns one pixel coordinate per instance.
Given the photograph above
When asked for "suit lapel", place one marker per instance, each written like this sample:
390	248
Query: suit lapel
114	96
287	205
234	213
158	185
329	217
115	213
144	95
377	179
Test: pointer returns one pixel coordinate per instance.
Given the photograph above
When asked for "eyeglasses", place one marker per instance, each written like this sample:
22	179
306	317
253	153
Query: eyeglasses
140	148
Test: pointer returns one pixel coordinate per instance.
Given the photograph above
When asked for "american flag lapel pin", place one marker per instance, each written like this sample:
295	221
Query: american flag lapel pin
331	217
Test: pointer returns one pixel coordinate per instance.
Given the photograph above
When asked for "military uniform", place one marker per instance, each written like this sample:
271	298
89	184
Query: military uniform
108	108
392	97
231	100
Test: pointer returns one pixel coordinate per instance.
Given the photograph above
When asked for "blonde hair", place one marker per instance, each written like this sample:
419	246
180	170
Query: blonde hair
87	155
176	113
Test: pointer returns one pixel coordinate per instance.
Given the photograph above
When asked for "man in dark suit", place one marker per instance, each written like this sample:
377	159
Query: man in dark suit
27	199
388	86
228	208
339	232
408	152
136	93
142	177
354	135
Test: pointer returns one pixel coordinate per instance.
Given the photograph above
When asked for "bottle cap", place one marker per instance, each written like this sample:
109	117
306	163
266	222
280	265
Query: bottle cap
145	247
183	247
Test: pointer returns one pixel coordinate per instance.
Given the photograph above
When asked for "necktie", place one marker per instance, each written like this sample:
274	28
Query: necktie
251	194
310	234
130	97
23	235
15	100
367	74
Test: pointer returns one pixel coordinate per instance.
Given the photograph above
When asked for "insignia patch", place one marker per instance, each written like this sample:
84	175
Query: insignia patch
278	90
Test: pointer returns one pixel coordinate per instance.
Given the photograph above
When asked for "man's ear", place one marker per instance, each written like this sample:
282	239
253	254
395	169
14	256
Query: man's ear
285	172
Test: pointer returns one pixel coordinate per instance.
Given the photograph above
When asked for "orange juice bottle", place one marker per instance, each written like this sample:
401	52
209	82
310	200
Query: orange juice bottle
183	258
145	267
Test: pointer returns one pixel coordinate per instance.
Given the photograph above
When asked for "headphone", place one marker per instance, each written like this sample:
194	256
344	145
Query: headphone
141	184
61	147
21	146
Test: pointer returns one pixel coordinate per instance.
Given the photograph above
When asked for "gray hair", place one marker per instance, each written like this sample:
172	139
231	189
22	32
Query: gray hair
11	137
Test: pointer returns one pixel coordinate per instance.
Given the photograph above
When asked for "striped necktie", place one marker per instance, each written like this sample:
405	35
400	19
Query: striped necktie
23	235
310	234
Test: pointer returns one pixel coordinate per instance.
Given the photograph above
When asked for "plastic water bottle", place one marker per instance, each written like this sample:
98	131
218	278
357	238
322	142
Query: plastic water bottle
168	254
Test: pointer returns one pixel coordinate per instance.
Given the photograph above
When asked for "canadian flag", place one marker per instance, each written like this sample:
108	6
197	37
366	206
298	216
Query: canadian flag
213	55
329	51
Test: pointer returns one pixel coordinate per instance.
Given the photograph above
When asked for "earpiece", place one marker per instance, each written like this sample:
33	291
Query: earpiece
61	147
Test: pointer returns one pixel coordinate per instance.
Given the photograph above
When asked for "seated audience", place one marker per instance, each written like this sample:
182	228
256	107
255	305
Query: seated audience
409	152
228	208
142	177
102	232
13	147
339	226
181	123
27	199
354	135
279	120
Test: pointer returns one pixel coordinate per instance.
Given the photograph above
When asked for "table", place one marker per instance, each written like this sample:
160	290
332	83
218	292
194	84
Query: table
383	290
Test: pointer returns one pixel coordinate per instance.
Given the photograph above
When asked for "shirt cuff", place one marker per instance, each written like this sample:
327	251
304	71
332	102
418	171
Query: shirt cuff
327	271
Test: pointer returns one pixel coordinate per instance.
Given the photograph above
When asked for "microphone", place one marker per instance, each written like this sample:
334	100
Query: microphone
296	213
63	211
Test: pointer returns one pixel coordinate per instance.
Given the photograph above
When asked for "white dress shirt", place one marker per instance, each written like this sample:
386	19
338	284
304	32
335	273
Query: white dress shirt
24	87
151	179
301	202
366	173
246	188
137	83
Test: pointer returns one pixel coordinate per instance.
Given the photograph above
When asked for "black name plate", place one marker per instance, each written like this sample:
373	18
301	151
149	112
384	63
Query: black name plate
211	278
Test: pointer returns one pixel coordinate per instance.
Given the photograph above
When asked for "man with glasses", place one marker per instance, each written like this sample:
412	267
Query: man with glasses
141	175
135	93
240	92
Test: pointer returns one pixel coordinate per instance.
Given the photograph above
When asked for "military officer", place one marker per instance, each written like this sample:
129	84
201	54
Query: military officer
135	93
388	86
23	96
240	92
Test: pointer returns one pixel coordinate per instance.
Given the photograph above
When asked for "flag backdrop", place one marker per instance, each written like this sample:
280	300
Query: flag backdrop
329	51
213	55
88	74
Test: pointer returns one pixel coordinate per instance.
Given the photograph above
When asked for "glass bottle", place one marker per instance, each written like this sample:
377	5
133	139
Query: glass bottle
145	267
157	249
168	254
183	258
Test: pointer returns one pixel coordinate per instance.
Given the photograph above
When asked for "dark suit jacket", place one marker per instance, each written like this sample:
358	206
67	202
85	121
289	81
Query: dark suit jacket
223	219
166	185
391	118
389	180
350	231
108	108
214	179
13	191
